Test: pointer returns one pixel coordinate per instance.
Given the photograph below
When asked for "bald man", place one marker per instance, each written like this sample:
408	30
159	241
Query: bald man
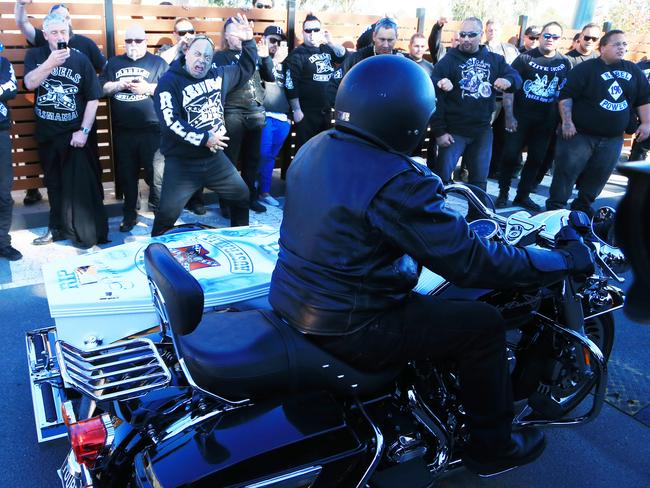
130	80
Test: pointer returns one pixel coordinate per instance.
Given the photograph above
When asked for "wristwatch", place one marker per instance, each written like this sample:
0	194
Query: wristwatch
85	130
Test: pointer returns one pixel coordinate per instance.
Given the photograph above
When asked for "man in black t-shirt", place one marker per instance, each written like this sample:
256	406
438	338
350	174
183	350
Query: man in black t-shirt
65	104
531	114
130	80
586	45
36	38
308	70
81	43
595	105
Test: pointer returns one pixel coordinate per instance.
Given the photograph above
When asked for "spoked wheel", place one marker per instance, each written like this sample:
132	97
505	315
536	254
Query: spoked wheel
577	377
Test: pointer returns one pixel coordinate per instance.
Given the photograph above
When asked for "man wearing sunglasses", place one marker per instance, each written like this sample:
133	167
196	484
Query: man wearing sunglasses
531	38
308	70
189	101
596	105
531	114
130	81
183	34
586	47
467	80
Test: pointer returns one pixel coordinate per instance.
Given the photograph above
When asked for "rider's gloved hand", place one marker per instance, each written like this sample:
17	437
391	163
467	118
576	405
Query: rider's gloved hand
579	258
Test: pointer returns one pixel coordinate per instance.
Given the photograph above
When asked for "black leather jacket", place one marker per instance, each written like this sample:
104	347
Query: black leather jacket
358	218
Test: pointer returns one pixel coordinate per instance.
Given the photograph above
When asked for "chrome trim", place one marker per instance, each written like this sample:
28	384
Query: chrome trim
379	449
601	383
127	369
473	199
294	476
193	384
186	422
603	312
425	416
74	475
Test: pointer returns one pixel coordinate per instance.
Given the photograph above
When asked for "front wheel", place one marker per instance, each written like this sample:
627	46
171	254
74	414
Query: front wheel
577	375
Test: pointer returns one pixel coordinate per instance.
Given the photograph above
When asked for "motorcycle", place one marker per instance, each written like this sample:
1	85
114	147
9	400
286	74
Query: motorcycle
238	398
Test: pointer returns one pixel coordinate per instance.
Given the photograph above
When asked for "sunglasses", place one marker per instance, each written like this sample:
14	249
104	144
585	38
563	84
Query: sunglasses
315	29
136	41
183	32
547	36
469	35
590	38
533	38
273	40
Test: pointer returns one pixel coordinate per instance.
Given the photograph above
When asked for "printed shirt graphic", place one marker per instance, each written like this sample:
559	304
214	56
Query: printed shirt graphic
604	96
205	112
543	77
475	79
60	100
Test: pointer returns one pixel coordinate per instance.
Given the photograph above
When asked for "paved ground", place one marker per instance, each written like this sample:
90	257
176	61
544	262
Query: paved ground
612	451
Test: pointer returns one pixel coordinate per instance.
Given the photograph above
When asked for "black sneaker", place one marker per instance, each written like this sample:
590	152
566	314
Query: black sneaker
502	200
49	237
525	446
127	225
32	196
257	207
10	253
527	203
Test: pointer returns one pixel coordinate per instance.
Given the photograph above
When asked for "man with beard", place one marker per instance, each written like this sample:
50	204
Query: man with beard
384	37
595	106
308	70
189	102
467	79
130	80
531	114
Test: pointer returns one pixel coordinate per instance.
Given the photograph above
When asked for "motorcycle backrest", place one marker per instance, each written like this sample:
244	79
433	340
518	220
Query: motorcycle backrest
181	295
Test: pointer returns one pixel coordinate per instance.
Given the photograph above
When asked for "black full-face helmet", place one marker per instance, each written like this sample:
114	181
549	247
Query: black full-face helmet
387	99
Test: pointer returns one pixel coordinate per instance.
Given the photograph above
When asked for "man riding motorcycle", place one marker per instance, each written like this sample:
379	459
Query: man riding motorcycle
360	220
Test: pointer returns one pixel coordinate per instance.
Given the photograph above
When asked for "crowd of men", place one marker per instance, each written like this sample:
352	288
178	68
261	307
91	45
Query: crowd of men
190	113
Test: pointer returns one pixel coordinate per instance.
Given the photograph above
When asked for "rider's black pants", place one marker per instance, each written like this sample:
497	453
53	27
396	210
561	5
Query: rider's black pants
470	333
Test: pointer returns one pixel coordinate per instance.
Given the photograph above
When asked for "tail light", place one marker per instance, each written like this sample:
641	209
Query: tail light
89	438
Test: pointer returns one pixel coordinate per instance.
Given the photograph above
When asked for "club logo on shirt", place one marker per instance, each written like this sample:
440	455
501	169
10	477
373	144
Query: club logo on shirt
541	89
131	73
205	112
323	64
58	95
475	81
615	90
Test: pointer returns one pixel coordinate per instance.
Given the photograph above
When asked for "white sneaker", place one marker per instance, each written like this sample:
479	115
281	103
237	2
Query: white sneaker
269	200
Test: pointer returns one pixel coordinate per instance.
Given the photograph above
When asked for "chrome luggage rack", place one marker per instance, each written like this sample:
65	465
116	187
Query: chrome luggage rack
119	371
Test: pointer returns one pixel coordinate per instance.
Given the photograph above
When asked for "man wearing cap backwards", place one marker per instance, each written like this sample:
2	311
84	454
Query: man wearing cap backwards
189	102
361	218
130	80
277	109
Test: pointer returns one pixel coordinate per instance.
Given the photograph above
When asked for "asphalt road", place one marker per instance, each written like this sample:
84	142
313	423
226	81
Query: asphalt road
611	451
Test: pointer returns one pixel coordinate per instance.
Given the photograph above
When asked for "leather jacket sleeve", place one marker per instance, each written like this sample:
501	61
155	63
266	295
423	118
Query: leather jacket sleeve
411	212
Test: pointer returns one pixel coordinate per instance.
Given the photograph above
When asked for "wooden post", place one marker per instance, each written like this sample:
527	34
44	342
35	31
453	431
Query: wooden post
291	22
110	28
420	14
607	26
523	24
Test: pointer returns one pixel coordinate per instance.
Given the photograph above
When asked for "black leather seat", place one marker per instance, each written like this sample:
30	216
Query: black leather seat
250	354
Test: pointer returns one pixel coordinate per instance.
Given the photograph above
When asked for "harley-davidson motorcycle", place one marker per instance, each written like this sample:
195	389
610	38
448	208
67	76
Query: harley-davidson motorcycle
237	398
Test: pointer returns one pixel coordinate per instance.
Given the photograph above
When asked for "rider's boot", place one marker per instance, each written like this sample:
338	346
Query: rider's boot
525	446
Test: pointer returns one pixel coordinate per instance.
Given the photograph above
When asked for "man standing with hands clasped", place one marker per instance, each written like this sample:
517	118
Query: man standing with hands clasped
189	102
130	80
467	79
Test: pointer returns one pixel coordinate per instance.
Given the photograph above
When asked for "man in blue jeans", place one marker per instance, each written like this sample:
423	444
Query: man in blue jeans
277	109
595	106
466	81
8	91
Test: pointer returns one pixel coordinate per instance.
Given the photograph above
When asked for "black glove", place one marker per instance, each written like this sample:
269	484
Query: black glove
579	258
